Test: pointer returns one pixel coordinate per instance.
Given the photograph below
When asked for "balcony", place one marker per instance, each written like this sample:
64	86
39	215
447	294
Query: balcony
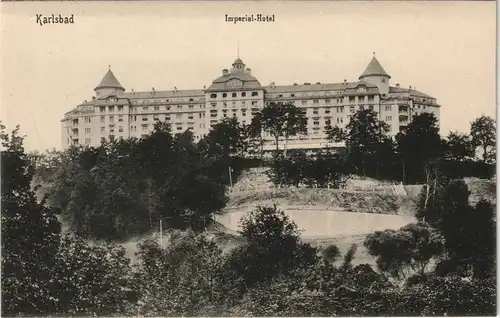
403	109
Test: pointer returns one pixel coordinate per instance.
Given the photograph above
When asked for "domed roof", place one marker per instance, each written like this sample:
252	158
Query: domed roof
238	80
238	61
374	68
109	81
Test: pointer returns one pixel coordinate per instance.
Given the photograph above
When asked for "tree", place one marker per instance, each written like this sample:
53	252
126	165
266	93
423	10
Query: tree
30	235
272	247
226	138
469	231
408	250
330	253
91	280
365	133
253	133
417	144
183	279
434	181
335	134
283	120
459	147
483	132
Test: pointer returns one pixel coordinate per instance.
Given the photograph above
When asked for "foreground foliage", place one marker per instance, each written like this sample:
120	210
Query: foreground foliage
271	273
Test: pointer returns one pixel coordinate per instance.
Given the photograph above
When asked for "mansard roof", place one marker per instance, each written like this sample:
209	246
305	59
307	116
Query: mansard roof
412	92
319	87
248	82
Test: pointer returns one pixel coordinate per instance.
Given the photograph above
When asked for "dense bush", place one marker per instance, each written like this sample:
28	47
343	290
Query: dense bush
406	251
298	169
469	231
184	279
447	296
90	280
272	247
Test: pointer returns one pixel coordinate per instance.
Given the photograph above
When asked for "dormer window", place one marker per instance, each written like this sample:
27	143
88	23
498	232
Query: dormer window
234	95
213	95
362	89
243	94
255	93
224	95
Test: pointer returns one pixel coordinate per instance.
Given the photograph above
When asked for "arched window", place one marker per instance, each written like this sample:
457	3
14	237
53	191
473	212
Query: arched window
243	94
234	94
255	93
213	96
224	95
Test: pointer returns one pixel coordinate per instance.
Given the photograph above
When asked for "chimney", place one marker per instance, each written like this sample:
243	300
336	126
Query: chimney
225	72
397	85
153	90
307	83
410	87
345	82
272	85
249	71
204	87
133	92
294	84
175	89
317	83
93	98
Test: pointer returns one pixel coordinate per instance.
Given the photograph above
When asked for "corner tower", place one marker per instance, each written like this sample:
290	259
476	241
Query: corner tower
109	84
376	75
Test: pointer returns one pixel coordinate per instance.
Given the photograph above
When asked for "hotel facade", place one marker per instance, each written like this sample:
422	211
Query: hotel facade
115	113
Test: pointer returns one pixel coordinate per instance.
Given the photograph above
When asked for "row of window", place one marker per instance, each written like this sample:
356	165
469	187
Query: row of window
370	98
243	103
224	95
337	93
111	109
146	109
111	129
156	101
214	114
340	120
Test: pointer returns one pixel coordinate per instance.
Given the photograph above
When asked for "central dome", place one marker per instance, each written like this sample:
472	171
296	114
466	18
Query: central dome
238	61
239	78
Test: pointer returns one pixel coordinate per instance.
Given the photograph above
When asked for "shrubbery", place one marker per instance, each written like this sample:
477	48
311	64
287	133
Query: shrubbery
271	273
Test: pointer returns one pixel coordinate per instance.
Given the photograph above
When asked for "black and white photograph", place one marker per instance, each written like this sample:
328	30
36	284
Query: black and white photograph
223	159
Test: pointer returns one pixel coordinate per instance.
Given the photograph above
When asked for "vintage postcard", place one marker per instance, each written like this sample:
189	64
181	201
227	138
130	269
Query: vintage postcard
248	159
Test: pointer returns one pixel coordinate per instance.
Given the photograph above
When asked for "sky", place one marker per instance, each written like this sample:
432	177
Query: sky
444	49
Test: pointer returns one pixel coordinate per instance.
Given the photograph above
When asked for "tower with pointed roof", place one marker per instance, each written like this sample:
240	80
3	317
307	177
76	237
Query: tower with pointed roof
376	75
109	84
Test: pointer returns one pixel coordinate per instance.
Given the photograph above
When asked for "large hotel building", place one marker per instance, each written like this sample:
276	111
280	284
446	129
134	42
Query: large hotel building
115	113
